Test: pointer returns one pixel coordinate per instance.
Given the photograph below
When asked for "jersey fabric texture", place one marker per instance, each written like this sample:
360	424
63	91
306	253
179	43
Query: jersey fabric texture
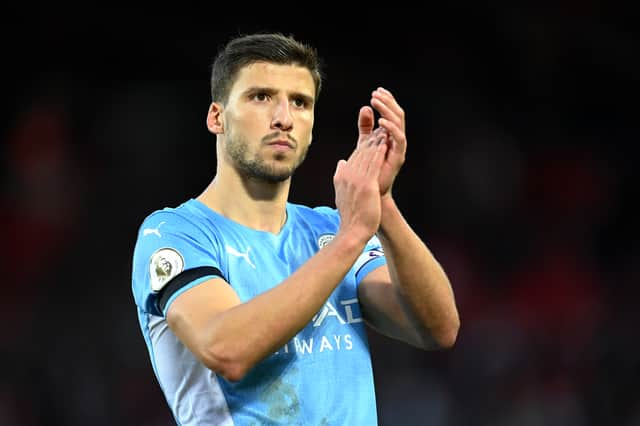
323	376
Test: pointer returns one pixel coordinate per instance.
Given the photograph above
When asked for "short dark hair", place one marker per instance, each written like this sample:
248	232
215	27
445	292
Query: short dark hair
268	47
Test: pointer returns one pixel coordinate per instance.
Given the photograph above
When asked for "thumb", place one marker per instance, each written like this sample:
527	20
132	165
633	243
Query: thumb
365	122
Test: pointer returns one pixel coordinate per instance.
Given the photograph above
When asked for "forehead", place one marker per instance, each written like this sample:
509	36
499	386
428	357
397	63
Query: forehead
290	78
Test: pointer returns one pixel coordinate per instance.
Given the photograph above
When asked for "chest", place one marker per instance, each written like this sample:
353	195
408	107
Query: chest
257	264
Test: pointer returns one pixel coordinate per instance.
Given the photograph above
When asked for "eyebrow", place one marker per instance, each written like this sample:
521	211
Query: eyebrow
271	91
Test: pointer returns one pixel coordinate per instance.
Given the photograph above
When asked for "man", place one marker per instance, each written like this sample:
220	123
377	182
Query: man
253	308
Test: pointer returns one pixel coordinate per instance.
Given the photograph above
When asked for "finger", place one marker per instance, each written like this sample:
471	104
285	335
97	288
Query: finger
388	98
376	134
365	121
377	158
372	151
384	91
399	139
386	111
362	157
366	141
365	154
386	102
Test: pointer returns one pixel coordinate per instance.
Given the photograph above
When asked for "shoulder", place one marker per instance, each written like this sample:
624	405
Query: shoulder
185	218
319	214
186	229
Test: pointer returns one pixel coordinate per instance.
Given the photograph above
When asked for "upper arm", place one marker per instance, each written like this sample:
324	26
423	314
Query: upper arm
382	308
171	255
191	313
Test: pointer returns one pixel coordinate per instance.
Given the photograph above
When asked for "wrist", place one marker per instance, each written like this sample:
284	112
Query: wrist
386	200
389	210
348	243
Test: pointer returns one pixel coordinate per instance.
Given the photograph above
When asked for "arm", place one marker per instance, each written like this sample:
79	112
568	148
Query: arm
410	299
230	337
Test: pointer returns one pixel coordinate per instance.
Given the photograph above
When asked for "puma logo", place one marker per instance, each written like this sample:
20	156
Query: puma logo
236	253
154	231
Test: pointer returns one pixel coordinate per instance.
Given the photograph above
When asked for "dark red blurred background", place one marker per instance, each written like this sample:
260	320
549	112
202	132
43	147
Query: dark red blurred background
520	176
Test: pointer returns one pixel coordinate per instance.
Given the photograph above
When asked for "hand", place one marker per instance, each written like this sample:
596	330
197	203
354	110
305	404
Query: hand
392	120
357	188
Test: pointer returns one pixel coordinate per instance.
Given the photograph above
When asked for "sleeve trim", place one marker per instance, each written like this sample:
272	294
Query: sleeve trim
372	264
183	279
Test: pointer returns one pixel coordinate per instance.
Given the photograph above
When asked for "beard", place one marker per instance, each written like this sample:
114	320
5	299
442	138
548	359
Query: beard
257	167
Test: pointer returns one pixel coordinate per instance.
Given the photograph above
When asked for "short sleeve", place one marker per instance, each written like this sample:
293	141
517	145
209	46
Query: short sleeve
171	255
371	258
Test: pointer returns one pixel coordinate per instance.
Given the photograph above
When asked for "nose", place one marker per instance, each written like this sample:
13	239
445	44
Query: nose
282	119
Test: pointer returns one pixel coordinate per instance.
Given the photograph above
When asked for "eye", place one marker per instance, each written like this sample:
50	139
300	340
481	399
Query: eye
260	96
299	102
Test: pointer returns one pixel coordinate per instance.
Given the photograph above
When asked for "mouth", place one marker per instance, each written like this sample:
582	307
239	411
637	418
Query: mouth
281	144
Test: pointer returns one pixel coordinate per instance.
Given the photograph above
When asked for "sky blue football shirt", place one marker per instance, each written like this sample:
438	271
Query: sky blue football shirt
323	376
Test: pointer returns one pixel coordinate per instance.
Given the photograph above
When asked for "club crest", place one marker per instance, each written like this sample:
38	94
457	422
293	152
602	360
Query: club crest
325	239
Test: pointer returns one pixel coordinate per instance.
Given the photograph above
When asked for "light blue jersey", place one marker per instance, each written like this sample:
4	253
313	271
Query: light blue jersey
323	376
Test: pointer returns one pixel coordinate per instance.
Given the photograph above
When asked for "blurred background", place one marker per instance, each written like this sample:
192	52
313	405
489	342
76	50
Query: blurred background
520	177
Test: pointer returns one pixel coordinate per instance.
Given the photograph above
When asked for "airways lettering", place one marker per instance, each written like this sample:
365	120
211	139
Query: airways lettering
324	344
328	310
346	313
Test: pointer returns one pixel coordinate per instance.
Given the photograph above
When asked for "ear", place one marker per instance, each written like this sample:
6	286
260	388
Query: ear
214	119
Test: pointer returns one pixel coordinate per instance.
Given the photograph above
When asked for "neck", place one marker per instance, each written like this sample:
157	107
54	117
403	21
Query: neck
255	204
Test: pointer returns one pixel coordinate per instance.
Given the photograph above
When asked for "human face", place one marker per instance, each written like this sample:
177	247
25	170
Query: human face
268	120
